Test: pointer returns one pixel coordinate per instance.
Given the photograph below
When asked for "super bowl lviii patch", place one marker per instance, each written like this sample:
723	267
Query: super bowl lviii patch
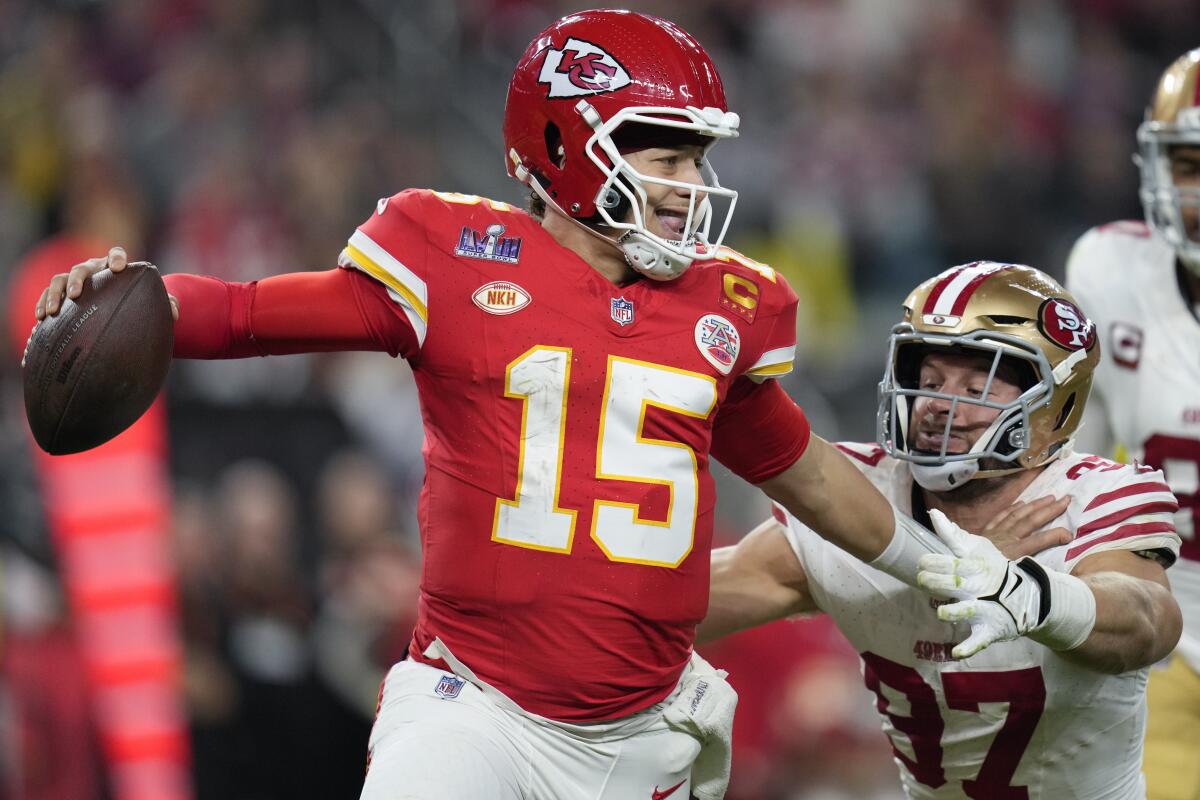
719	341
491	245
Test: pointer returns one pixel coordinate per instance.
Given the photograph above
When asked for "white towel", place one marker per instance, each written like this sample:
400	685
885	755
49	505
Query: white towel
704	708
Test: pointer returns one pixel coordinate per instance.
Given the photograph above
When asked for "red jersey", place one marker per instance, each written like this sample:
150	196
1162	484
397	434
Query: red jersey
566	516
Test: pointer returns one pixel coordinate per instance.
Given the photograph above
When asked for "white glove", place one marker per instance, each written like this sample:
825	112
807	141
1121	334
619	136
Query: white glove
1002	599
704	709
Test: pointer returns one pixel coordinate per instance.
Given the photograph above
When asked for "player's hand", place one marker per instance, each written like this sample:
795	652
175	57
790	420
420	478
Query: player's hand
68	285
1018	530
1000	599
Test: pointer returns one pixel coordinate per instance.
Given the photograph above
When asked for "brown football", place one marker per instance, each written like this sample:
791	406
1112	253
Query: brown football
95	367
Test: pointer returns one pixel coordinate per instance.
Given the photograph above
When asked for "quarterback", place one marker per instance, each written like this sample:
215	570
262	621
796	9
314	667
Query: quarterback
577	366
1141	283
986	382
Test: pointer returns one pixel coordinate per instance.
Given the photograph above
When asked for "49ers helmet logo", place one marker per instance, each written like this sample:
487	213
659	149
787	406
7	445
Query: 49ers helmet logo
581	68
1063	323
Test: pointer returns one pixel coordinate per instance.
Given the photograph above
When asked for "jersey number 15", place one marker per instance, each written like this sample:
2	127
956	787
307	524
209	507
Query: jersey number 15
540	378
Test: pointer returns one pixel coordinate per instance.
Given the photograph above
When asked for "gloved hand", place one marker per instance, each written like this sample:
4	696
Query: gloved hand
1002	599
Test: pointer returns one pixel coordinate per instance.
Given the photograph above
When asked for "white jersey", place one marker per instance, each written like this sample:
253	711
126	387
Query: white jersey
1148	380
1016	714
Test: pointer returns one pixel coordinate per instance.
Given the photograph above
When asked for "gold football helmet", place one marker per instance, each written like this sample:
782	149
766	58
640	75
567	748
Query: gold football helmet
1173	119
1019	317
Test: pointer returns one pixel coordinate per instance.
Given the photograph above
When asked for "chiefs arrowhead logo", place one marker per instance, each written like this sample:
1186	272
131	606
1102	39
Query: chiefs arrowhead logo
581	68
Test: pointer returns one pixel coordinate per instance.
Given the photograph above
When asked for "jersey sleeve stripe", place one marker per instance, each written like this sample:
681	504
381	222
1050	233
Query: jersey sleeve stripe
772	371
382	265
415	320
1123	532
1126	491
774	362
871	458
1109	520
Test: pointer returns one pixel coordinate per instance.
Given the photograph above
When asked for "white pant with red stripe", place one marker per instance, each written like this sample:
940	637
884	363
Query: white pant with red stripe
470	742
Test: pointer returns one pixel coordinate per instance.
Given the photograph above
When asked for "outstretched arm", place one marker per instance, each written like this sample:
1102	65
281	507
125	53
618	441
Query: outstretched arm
1113	613
301	312
830	495
758	580
762	435
1138	621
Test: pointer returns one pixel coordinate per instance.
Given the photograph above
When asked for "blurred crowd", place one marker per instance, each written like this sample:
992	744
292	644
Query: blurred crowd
882	142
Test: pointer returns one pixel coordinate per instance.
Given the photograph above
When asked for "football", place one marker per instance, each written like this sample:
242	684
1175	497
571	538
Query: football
95	367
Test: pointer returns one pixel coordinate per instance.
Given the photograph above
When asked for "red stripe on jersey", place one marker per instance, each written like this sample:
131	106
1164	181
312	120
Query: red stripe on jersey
960	304
150	592
931	301
871	460
142	671
1126	491
779	514
1123	532
1124	514
151	746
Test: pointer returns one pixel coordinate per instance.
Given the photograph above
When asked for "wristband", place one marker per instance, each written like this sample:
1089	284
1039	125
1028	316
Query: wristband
910	541
1070	608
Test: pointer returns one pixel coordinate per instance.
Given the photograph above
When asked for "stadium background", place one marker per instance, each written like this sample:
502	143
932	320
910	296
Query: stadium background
883	141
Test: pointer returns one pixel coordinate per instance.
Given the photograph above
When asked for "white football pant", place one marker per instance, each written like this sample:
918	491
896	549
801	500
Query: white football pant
473	743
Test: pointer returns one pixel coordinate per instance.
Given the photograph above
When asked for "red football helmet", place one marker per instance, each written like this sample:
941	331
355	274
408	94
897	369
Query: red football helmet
578	82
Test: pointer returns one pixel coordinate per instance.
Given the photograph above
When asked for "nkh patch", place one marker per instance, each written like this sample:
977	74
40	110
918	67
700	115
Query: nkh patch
449	686
491	245
719	341
621	310
501	297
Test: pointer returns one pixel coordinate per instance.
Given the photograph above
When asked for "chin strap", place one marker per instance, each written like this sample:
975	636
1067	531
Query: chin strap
944	477
652	260
641	253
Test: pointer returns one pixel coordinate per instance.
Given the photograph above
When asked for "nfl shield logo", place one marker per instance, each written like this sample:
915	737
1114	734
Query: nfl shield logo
449	686
621	310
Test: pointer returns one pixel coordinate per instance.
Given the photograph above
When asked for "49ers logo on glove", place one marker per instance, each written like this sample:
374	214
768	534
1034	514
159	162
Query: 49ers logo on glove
581	68
1063	323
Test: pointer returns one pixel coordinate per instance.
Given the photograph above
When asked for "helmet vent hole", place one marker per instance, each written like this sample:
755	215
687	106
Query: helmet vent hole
1066	412
1006	319
554	146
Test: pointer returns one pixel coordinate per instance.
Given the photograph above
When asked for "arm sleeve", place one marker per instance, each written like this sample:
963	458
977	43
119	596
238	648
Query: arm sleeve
759	431
303	312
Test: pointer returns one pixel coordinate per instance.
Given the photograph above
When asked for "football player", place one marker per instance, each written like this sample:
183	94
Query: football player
986	382
577	366
1141	283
